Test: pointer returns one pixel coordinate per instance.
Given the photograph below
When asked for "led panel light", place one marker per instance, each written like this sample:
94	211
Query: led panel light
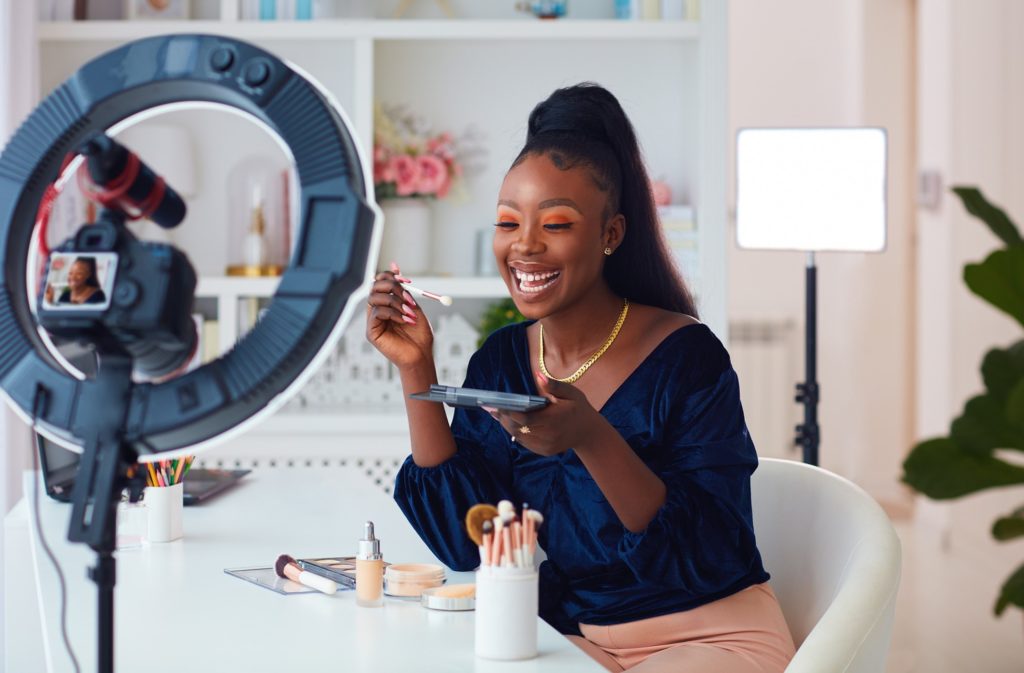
811	189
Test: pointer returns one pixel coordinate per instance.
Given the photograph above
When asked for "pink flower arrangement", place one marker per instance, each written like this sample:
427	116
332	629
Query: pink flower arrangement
409	161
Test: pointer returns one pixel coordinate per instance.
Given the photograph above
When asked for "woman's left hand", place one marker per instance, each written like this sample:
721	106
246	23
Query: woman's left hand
566	422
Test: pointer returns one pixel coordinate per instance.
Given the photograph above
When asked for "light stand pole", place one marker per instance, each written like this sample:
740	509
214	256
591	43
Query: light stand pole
808	434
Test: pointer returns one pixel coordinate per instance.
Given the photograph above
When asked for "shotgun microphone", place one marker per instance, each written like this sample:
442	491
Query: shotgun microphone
116	178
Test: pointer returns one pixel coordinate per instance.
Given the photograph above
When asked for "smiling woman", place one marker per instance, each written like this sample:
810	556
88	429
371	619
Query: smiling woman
641	461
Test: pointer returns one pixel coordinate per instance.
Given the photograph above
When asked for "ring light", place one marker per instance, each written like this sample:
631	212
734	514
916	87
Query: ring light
331	258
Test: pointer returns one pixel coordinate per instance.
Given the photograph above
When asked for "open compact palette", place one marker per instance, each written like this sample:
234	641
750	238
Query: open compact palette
452	597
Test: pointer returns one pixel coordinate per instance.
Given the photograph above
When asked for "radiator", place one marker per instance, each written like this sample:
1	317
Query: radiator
768	360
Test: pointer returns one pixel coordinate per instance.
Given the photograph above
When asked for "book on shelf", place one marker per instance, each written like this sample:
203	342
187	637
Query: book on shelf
680	227
209	341
250	310
658	10
197	356
286	10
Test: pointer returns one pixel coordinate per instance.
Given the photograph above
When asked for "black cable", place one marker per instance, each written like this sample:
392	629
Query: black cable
40	402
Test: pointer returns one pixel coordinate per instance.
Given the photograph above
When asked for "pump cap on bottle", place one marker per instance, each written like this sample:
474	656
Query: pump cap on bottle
369	546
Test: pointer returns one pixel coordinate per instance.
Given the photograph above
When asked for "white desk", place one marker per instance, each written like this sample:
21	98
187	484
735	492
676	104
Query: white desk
175	609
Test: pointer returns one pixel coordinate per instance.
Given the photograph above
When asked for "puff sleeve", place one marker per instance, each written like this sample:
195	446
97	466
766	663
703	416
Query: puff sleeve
435	499
701	540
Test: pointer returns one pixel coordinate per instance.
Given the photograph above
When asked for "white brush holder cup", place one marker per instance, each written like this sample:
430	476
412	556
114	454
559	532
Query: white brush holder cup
506	613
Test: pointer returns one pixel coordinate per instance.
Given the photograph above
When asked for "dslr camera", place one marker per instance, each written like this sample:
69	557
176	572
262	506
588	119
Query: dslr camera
103	286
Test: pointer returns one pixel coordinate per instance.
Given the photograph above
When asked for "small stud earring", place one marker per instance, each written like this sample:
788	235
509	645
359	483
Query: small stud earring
607	251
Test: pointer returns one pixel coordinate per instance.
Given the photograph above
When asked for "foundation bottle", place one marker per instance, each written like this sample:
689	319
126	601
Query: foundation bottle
369	571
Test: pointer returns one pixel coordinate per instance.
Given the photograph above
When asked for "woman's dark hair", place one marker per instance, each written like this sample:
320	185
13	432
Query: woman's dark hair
92	280
584	125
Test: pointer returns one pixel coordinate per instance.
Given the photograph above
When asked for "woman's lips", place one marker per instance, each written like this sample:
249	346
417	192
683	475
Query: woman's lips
534	283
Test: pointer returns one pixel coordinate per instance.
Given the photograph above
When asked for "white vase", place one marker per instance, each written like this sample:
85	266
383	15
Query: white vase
406	235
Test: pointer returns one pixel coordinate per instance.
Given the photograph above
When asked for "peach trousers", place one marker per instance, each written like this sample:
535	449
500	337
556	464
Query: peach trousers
742	633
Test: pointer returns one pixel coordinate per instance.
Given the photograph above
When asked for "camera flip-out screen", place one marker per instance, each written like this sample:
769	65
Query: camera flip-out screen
80	281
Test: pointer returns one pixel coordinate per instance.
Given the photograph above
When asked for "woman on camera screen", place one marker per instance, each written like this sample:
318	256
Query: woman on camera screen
641	461
83	284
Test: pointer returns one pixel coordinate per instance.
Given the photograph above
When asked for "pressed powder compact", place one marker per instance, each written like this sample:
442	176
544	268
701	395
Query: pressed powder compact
451	597
410	579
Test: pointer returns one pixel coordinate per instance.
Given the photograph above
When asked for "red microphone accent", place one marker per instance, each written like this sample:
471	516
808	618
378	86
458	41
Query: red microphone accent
114	193
156	195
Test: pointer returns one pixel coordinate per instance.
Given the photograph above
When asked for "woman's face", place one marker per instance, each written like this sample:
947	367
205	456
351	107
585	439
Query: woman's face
550	234
77	275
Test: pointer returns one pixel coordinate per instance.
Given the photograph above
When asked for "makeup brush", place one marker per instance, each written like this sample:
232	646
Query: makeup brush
498	539
287	568
508	554
536	519
518	559
527	528
485	548
443	298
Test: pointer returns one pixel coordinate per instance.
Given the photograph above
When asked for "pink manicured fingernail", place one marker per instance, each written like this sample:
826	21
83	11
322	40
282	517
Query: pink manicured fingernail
490	410
394	268
542	378
408	311
402	279
408	298
411	321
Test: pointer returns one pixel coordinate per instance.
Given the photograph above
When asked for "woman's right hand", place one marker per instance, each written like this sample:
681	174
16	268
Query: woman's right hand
396	325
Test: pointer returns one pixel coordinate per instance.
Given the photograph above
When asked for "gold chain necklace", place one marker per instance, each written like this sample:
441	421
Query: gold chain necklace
593	358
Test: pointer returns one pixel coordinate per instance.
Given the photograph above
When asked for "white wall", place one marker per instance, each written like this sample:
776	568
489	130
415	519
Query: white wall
971	131
18	89
841	63
18	95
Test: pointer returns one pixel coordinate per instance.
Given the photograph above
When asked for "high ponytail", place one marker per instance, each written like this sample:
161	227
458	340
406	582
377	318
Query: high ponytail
584	125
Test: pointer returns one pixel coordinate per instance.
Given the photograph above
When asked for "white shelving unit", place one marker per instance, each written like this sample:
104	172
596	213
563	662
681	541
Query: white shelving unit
485	73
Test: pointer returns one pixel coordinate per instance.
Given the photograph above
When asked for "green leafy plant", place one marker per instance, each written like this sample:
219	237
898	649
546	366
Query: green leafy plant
496	316
965	462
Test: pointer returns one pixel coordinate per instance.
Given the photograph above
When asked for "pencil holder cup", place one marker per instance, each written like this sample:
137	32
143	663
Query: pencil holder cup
506	613
163	512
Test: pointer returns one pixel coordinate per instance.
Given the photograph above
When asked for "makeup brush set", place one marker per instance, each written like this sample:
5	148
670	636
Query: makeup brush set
505	539
506	583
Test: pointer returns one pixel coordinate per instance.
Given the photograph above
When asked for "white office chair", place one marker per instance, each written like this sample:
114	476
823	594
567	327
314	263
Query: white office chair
834	559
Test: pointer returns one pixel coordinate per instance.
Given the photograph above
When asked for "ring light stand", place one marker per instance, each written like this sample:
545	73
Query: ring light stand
114	419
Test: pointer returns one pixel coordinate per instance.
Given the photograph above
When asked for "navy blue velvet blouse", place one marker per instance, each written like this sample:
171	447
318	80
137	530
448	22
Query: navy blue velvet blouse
680	411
